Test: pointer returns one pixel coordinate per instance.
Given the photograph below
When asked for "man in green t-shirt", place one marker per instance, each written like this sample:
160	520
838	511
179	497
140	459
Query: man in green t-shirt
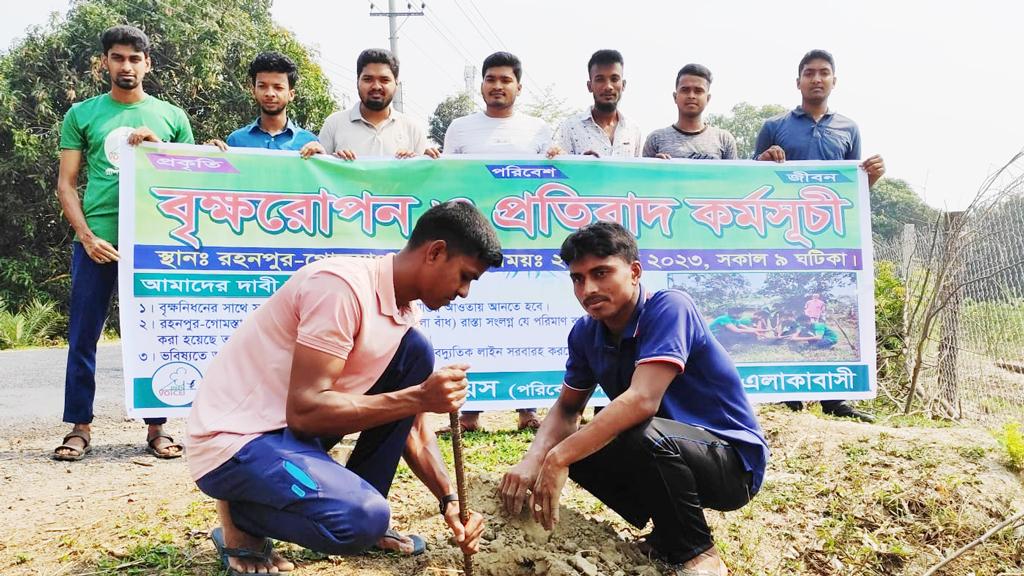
814	334
732	328
95	129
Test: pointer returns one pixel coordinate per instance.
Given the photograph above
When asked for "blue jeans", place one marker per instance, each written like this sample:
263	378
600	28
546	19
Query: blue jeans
92	285
288	488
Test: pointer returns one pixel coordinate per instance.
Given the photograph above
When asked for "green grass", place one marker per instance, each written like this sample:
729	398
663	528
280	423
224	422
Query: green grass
1012	440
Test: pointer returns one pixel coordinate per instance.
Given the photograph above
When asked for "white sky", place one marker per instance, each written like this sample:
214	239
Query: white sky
934	85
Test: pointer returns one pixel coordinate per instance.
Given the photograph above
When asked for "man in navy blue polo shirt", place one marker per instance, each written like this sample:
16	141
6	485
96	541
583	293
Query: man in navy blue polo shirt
679	434
273	76
813	132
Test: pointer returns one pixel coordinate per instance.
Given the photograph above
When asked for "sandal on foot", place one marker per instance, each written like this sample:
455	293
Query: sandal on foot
76	452
225	553
418	544
463	427
532	424
151	447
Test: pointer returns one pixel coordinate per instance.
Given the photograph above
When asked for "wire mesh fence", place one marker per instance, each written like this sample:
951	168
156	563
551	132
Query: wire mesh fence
963	307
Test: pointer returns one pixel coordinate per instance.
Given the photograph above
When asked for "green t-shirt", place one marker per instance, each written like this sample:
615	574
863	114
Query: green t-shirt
721	322
826	333
97	127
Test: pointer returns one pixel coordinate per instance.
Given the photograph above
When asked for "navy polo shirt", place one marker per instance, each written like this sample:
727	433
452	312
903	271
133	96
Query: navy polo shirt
667	327
253	136
834	137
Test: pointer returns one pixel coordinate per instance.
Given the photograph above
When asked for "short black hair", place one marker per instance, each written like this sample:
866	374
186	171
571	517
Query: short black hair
803	318
694	70
464	228
600	239
126	35
604	58
273	62
816	54
734	311
503	59
376	56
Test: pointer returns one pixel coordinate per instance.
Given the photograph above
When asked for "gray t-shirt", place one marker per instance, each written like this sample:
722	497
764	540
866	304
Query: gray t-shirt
712	143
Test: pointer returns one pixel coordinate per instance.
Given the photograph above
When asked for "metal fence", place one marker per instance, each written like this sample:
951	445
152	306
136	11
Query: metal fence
963	318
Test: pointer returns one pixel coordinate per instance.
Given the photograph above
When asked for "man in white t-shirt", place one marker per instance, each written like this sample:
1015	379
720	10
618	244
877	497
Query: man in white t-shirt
499	130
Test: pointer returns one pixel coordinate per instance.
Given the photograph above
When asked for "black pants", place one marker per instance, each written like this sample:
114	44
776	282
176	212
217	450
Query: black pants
667	472
833	407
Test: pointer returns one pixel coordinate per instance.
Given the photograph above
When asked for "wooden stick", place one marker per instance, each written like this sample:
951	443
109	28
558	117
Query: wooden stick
460	481
1012	520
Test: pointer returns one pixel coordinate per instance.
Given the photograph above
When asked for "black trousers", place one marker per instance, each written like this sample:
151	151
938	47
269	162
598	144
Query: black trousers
667	472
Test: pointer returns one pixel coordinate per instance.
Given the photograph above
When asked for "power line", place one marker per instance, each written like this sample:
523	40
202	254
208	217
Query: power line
448	36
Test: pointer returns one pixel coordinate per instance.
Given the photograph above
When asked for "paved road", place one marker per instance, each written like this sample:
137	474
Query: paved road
32	384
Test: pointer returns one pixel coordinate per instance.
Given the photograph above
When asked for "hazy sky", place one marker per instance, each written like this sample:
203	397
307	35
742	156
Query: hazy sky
935	86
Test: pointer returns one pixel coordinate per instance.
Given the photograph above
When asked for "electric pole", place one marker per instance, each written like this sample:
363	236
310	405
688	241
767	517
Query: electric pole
393	15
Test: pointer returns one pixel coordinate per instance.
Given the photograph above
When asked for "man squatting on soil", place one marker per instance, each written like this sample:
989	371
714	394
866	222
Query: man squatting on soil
333	352
679	434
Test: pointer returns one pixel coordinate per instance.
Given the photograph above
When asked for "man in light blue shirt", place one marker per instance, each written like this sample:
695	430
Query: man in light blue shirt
811	131
273	76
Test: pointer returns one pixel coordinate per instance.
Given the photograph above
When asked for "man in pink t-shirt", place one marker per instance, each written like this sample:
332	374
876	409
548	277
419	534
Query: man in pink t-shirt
333	352
814	307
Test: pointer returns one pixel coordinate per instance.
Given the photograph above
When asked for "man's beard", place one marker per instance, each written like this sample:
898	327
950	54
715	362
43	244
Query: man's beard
271	111
126	83
606	107
377	105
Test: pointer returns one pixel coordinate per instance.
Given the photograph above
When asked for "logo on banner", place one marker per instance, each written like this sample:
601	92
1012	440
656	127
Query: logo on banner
530	171
176	384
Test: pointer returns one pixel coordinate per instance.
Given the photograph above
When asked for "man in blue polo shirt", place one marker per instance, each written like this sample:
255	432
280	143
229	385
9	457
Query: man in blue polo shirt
273	76
679	434
811	131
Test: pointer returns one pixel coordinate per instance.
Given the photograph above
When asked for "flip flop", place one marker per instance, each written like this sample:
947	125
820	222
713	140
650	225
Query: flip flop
225	553
76	452
418	544
171	444
532	423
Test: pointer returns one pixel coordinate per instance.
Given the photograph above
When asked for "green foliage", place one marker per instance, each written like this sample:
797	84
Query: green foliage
1012	439
201	53
548	106
790	290
893	204
744	123
34	325
449	109
890	300
714	293
999	331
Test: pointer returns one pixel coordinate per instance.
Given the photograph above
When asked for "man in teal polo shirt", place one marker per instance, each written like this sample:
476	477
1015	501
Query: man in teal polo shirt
273	76
95	129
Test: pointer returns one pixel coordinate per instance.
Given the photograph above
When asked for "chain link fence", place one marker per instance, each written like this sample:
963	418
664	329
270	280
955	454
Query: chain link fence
962	329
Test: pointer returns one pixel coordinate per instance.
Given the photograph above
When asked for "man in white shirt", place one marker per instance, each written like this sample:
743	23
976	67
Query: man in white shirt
602	131
499	130
373	127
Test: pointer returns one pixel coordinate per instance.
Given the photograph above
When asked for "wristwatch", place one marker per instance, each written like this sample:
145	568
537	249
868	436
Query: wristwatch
446	500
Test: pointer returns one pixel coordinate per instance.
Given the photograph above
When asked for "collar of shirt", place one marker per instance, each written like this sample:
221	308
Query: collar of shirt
386	298
356	115
799	111
607	339
587	116
256	128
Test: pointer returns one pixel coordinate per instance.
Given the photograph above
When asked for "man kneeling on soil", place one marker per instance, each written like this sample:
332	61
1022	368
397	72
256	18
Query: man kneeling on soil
335	351
679	434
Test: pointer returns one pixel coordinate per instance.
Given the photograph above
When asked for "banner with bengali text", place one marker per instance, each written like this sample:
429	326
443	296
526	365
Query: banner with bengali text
777	256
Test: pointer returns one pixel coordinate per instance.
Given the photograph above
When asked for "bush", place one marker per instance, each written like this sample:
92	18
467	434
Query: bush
1012	439
35	324
890	300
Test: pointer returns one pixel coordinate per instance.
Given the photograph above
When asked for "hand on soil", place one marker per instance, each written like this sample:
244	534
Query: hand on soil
547	492
516	485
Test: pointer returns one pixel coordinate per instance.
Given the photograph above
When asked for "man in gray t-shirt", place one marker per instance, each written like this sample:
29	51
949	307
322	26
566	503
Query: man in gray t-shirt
690	137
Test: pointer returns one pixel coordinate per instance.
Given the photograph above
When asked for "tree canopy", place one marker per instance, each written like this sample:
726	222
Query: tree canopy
744	123
201	54
449	109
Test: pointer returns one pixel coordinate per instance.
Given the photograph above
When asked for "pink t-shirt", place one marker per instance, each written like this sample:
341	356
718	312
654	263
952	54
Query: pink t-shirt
814	307
344	306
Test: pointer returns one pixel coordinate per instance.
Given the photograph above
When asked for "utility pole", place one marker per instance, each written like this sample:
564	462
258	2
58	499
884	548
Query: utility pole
469	75
393	15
